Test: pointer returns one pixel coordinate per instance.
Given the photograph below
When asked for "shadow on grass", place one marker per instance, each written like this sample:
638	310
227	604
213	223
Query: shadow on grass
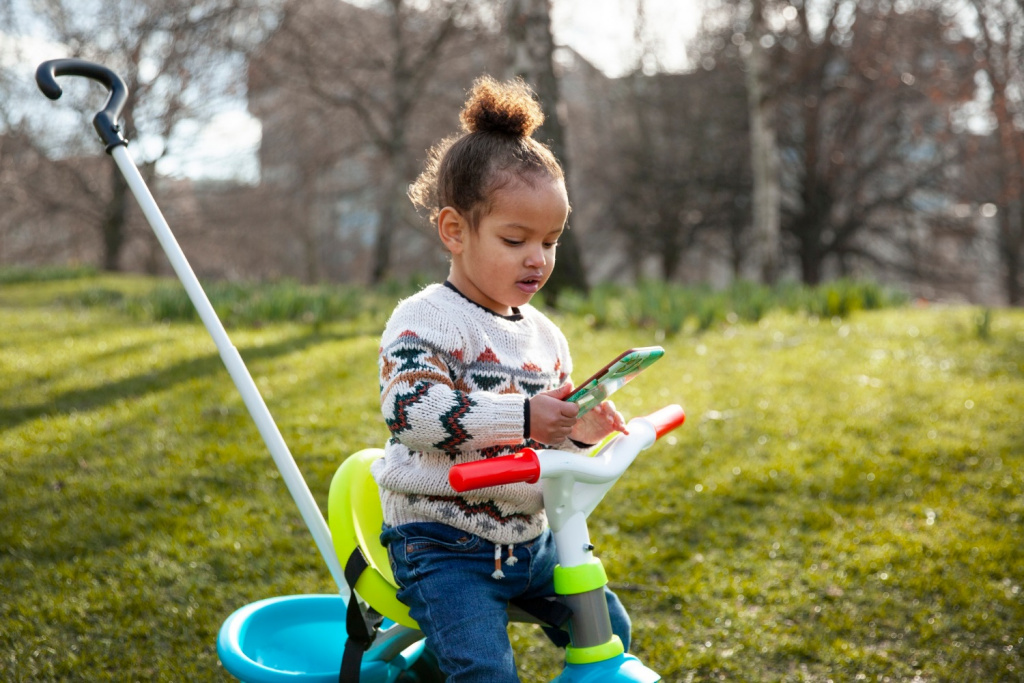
142	384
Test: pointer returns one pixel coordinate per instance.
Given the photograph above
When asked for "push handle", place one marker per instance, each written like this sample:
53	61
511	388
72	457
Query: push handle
507	469
105	122
666	419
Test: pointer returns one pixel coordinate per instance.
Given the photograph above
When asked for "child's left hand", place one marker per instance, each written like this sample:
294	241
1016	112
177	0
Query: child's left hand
598	423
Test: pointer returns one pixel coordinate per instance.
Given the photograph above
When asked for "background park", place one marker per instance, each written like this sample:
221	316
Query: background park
815	208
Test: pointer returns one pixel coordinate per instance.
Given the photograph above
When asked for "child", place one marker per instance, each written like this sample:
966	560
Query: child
469	370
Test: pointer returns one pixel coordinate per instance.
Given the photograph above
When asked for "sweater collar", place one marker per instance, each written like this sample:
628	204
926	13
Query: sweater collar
516	314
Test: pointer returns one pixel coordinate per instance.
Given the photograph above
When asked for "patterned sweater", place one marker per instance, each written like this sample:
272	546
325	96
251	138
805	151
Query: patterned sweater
455	379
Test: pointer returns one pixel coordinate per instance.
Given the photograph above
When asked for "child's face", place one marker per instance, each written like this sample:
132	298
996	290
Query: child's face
511	254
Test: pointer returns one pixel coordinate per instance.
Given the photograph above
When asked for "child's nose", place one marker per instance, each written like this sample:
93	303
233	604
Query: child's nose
535	256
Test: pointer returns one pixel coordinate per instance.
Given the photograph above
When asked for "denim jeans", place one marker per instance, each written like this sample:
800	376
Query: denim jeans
445	579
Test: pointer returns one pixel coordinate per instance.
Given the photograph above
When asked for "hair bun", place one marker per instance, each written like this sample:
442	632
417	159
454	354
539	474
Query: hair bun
509	108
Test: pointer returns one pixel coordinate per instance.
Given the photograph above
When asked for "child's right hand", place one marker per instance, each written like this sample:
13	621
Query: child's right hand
551	416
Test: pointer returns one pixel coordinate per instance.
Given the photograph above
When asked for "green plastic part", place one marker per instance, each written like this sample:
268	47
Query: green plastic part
598	653
581	578
355	518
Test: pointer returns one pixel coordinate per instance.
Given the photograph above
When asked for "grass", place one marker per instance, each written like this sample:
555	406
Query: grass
844	502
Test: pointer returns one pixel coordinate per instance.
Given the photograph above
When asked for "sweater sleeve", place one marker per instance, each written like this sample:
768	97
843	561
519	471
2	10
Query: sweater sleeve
426	404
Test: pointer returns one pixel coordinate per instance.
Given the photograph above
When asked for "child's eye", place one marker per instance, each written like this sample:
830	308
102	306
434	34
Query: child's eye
511	242
550	245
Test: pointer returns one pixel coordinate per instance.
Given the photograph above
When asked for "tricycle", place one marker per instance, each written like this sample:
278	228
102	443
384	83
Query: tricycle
363	632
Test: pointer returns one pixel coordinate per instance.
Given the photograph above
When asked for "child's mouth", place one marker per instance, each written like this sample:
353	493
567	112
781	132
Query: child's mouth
530	285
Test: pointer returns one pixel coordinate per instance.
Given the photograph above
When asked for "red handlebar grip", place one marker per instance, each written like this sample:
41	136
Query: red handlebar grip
507	469
666	419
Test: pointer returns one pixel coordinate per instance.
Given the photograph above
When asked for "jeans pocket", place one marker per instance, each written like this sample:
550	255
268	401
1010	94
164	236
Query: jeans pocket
419	548
424	537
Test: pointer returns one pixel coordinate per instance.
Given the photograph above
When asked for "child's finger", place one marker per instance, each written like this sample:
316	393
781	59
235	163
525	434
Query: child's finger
617	420
561	393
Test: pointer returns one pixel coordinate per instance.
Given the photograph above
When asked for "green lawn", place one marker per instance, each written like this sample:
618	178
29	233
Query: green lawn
844	502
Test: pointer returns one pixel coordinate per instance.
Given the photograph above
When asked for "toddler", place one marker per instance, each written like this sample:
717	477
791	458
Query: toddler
469	370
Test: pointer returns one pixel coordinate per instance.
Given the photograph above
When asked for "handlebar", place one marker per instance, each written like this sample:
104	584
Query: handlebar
528	466
506	469
105	122
666	419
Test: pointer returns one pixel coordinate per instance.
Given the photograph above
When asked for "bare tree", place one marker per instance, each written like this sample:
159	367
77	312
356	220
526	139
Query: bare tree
764	152
1000	43
179	58
747	33
869	109
376	70
664	162
681	169
864	95
531	57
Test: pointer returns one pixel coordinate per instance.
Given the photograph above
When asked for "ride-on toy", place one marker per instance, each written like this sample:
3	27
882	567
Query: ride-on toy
305	638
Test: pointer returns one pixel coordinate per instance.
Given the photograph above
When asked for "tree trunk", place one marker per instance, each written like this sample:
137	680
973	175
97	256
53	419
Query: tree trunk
764	154
671	240
385	229
1001	62
670	260
1010	233
114	221
309	232
808	228
810	265
531	57
1011	222
392	195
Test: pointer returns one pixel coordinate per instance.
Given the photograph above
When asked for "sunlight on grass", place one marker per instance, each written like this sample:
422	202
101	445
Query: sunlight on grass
843	503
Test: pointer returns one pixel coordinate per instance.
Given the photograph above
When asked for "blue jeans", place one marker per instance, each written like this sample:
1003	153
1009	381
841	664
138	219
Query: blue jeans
445	579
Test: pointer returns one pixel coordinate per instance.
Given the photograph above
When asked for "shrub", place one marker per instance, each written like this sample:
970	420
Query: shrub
15	274
670	308
241	303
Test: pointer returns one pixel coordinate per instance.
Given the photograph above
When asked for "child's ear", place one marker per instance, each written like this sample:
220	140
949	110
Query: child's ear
451	227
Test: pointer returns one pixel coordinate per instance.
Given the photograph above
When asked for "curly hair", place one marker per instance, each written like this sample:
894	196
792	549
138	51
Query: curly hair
494	149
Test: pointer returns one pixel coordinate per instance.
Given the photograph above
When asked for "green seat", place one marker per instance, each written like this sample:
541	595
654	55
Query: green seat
355	518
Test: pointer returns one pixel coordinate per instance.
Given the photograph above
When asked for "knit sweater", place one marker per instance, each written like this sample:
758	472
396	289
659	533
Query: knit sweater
455	379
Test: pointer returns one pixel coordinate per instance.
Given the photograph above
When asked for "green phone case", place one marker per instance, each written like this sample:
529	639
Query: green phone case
614	376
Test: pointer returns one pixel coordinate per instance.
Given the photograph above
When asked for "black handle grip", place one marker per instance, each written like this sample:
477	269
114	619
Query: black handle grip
105	122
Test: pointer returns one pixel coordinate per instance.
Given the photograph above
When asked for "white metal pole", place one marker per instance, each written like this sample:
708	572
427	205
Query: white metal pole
300	492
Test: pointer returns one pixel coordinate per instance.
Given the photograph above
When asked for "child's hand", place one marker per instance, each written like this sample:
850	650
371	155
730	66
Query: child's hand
598	423
552	417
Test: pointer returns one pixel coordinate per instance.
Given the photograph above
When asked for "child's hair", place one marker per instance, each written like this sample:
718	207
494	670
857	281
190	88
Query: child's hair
495	149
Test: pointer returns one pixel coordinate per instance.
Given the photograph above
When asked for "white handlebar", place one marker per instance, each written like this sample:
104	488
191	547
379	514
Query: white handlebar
608	464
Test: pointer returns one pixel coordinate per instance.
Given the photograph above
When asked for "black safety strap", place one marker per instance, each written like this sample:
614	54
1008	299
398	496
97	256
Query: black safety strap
554	613
361	628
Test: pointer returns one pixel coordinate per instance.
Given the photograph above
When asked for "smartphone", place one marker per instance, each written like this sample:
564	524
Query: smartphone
614	376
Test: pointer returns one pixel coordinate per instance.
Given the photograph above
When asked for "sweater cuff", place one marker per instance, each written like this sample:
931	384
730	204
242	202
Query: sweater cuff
526	419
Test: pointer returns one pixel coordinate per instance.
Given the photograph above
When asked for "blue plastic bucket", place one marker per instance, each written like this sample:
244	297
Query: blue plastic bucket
297	638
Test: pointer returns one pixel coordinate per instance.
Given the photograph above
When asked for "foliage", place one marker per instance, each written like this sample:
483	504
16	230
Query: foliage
667	308
672	309
842	504
983	323
15	274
